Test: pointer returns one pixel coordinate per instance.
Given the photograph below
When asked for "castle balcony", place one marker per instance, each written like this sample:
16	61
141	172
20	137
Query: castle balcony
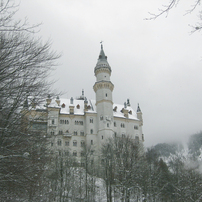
67	134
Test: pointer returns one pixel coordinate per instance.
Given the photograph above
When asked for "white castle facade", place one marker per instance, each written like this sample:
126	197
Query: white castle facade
73	123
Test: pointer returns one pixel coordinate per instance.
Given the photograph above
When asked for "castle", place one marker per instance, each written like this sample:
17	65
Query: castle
75	122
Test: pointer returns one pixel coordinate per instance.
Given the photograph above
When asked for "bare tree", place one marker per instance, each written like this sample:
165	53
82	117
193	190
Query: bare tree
165	8
25	64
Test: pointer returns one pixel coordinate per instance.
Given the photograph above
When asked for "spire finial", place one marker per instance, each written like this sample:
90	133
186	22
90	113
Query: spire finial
138	108
101	44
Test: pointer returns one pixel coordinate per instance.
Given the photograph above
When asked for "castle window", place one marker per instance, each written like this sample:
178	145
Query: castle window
60	153
75	132
101	118
108	125
75	143
74	153
66	153
91	142
82	143
81	122
91	131
51	144
60	132
114	124
91	120
136	127
106	94
66	143
91	152
137	138
52	133
122	125
82	153
59	142
81	133
102	137
115	134
53	121
123	135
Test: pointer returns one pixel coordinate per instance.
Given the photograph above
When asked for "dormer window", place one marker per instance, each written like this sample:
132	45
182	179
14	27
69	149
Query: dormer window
115	108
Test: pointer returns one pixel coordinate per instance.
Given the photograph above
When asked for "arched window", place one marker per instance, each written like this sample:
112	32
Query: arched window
136	127
91	131
75	143
82	143
74	153
59	142
137	138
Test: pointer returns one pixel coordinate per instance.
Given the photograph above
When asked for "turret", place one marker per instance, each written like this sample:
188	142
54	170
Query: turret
139	115
103	88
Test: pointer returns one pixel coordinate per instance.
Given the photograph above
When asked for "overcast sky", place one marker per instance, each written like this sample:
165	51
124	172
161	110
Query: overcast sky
154	63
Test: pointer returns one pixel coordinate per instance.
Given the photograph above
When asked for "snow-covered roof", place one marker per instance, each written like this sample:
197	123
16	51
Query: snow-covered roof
78	105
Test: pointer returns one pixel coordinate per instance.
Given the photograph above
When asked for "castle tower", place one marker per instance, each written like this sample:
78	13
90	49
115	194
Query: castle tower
103	88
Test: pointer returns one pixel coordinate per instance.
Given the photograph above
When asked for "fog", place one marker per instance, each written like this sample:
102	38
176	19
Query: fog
156	63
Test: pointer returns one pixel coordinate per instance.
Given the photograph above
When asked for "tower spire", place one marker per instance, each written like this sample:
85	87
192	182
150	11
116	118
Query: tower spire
138	108
101	44
102	60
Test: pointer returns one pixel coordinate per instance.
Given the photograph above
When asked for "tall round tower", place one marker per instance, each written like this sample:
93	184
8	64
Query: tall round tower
103	88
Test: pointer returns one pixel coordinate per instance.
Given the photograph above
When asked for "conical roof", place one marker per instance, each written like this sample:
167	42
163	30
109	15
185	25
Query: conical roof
102	61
